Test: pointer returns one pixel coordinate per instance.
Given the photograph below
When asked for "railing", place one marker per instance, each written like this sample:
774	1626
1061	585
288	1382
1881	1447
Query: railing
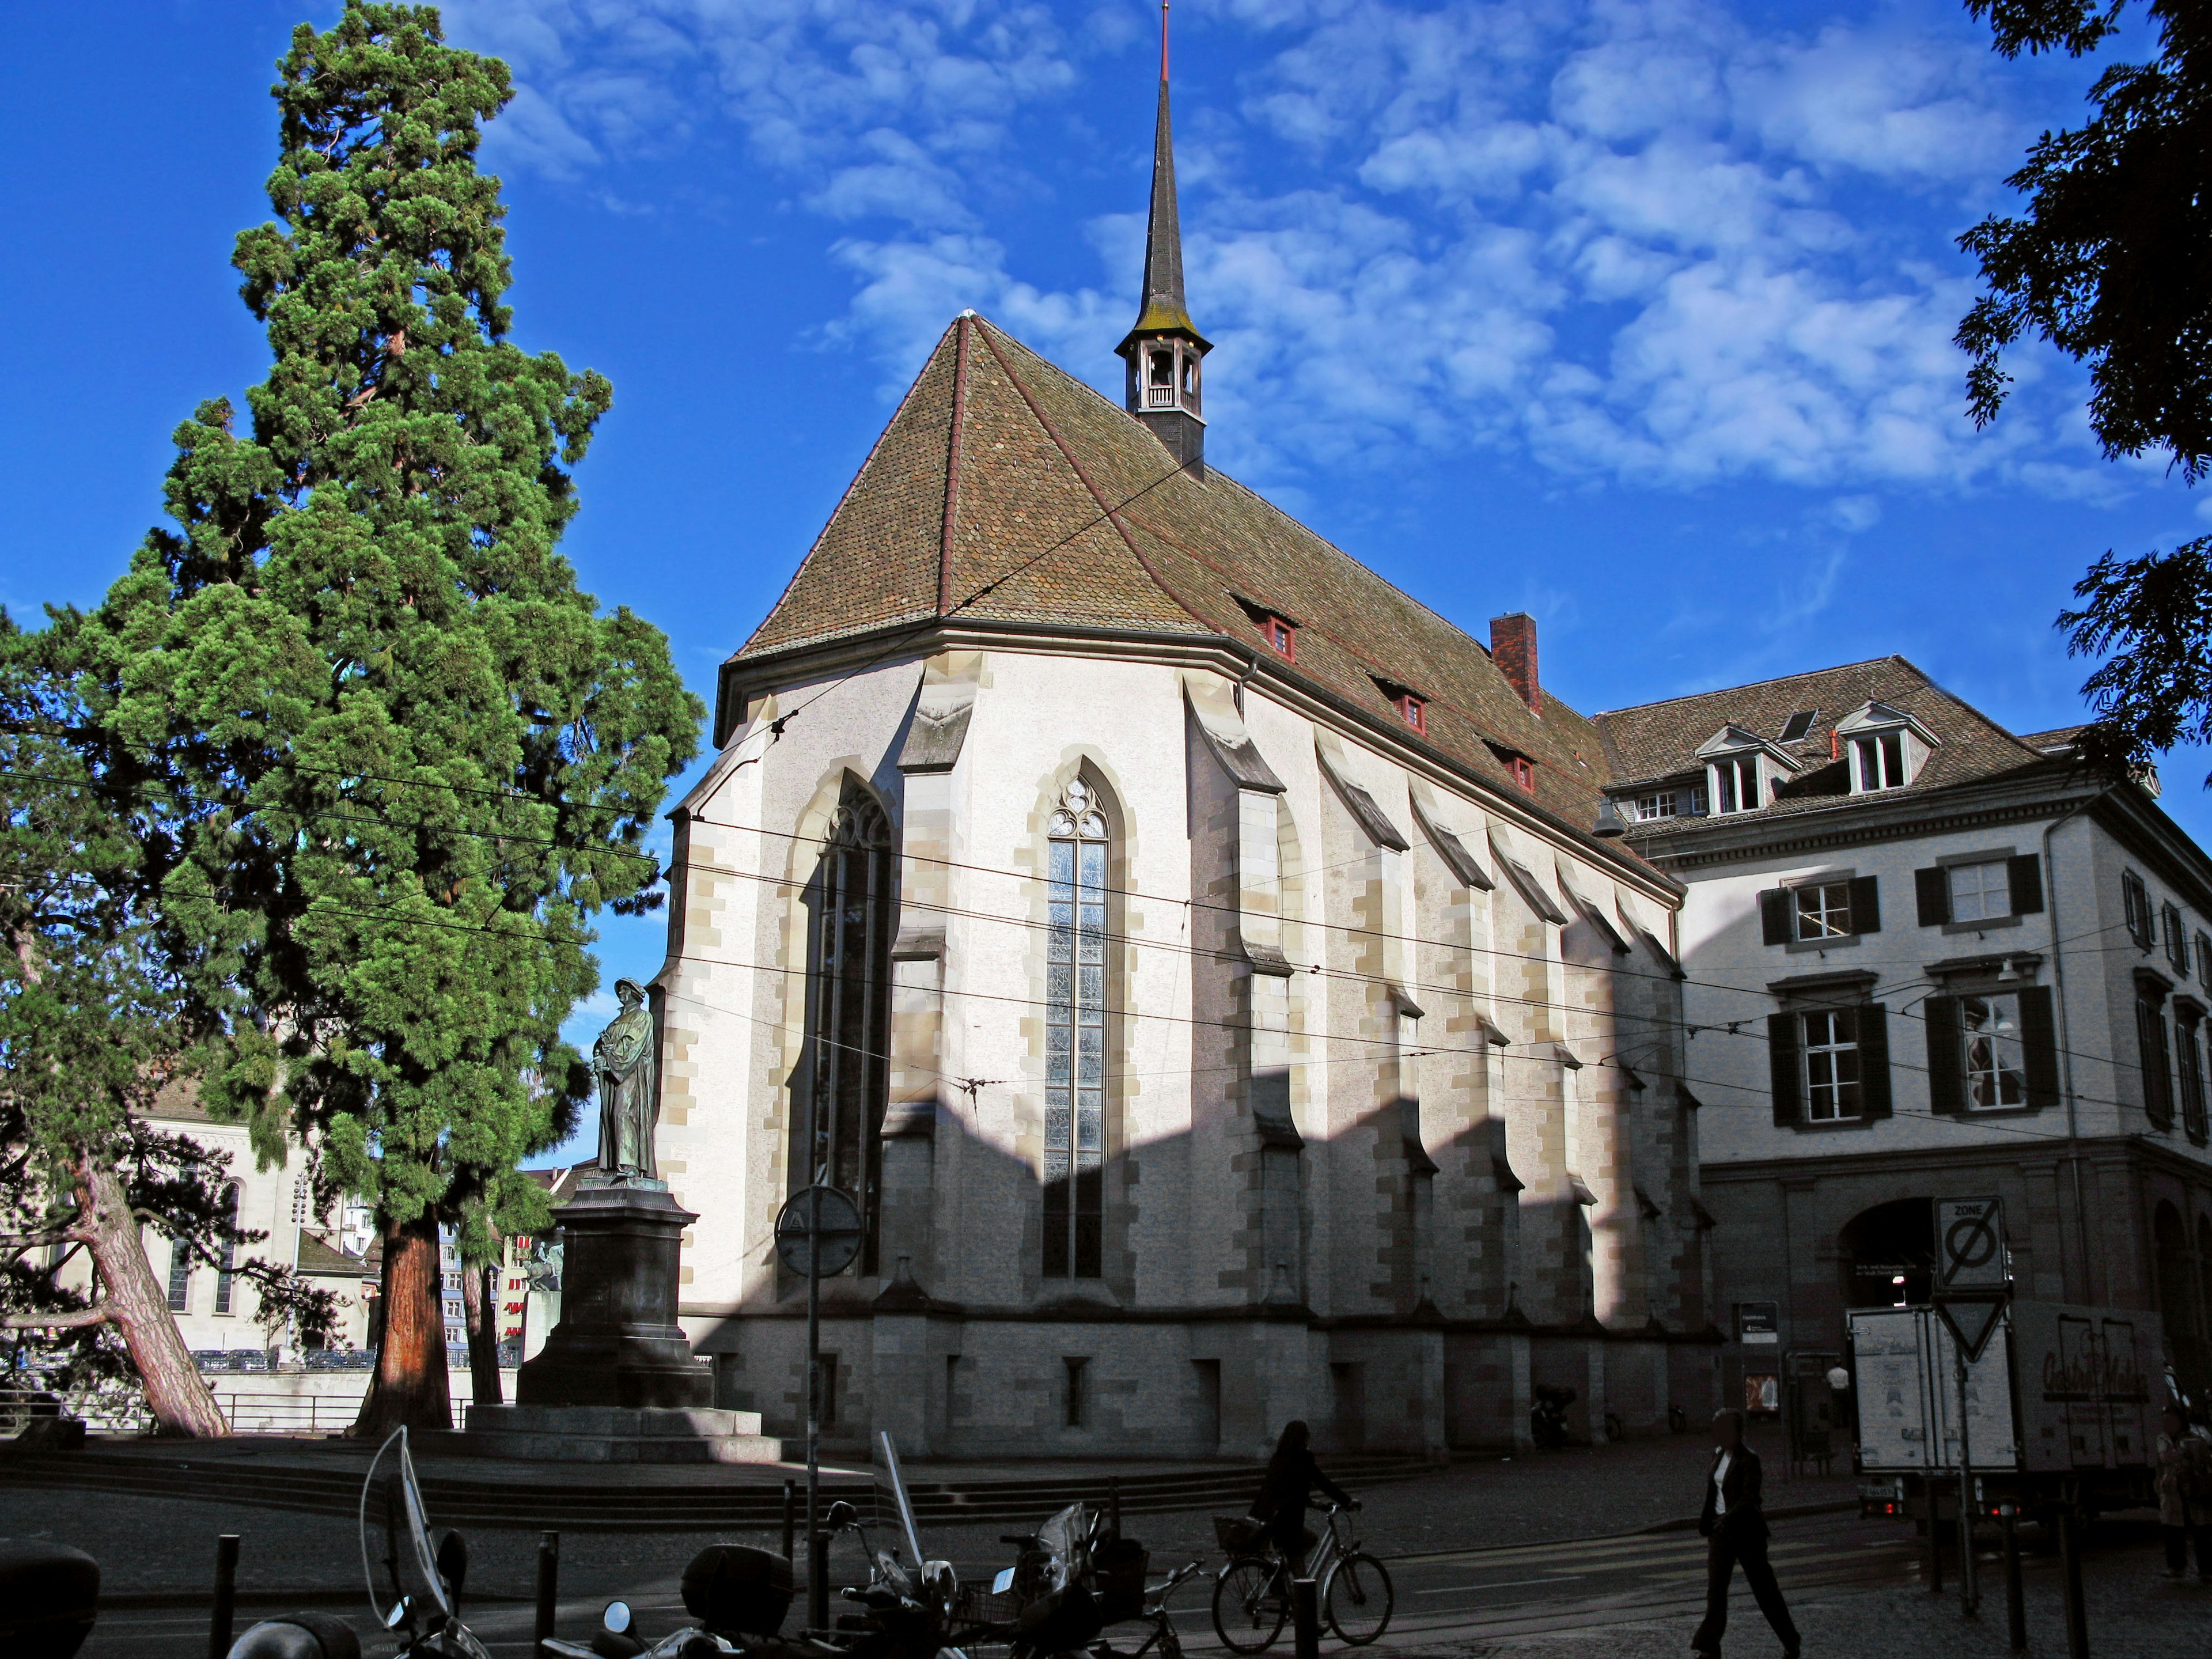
111	1413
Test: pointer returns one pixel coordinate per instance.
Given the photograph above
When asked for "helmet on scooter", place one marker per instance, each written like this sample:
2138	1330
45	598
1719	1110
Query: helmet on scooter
298	1636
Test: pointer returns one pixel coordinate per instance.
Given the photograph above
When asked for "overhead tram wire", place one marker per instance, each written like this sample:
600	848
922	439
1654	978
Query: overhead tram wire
1338	975
1424	1050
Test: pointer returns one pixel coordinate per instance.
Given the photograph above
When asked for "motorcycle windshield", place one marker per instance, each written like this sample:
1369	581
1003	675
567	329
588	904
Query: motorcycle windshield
395	1535
1066	1534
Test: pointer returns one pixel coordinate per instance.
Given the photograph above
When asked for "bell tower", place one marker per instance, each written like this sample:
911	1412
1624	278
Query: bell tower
1163	351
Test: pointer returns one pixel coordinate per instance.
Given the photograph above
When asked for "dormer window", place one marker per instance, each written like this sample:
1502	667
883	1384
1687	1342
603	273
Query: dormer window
1884	747
1281	636
1413	708
1735	783
1879	762
1524	772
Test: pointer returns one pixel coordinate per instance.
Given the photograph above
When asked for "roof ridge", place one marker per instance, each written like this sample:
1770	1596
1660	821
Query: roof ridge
1771	679
945	540
1113	514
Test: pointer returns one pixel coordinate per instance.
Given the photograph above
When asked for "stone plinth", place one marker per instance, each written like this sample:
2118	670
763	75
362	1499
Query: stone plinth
618	1434
618	1343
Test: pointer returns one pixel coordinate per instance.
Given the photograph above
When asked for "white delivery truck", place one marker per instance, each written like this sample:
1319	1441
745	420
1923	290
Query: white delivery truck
2060	1408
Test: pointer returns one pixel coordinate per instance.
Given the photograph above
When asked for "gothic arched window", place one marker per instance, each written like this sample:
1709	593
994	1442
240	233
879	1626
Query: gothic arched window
849	904
1075	1039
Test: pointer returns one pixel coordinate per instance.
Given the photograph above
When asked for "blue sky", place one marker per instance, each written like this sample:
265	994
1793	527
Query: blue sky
1635	316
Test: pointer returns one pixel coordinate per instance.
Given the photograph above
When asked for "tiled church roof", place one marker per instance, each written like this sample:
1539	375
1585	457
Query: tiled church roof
1065	511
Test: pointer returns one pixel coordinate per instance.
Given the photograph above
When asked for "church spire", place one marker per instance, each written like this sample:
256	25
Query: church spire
1164	349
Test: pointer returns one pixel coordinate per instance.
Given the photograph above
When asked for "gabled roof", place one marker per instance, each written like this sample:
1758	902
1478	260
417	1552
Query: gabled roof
1662	740
1005	490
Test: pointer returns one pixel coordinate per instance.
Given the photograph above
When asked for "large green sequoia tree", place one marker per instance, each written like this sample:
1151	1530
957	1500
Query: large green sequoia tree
408	759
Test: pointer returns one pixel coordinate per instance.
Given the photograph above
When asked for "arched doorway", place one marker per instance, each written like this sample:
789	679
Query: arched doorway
2179	1301
1888	1254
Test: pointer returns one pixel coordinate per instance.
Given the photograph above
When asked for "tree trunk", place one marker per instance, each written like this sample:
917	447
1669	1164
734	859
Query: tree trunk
409	1386
480	1297
137	1305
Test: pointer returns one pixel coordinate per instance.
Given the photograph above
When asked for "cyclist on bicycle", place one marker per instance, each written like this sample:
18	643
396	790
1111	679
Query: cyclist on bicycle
1287	1488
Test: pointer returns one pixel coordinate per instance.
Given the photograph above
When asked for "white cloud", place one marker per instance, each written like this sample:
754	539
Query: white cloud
1631	238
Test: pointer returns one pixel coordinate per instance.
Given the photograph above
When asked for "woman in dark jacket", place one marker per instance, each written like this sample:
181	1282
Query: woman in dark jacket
1286	1489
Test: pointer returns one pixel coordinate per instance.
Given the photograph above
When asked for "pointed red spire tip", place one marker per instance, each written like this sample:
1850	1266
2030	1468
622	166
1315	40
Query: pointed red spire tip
1163	42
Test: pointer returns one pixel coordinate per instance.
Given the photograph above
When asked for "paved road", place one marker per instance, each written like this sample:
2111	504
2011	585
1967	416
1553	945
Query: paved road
1443	1599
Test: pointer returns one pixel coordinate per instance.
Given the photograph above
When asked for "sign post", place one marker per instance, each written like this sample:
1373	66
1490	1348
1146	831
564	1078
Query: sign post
1973	1281
817	1233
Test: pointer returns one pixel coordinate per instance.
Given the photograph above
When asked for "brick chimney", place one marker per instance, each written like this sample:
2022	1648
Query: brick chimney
1513	648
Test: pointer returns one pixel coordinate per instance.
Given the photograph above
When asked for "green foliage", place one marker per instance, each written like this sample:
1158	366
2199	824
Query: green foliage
2113	264
97	1021
402	757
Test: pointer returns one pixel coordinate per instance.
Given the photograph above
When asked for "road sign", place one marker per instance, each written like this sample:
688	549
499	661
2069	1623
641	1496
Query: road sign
1969	1245
829	1249
1971	1317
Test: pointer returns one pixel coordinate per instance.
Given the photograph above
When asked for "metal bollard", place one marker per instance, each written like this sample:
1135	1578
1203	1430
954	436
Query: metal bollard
2069	1550
817	1582
1305	1617
548	1590
2015	1606
790	1518
225	1595
1934	1544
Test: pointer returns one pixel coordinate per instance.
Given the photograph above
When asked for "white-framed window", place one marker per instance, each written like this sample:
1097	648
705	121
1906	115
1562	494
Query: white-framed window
1980	892
1996	1061
1832	1064
1820	910
180	1276
1664	804
1075	1039
1878	761
1735	783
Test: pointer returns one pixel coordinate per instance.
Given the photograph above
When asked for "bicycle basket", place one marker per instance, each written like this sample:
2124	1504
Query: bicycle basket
1239	1535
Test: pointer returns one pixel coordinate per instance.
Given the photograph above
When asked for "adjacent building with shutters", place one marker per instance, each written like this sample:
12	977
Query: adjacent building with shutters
1193	954
1926	956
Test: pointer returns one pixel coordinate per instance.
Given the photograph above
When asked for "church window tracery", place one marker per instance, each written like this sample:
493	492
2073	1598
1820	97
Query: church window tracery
850	904
1075	1038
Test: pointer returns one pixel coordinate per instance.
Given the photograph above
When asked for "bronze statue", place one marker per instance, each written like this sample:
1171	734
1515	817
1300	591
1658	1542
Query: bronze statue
625	1063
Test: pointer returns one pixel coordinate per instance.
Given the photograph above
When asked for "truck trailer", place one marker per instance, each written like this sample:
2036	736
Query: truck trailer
2060	1410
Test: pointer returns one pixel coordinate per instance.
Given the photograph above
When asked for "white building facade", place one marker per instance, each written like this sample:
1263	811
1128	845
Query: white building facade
1926	958
1191	953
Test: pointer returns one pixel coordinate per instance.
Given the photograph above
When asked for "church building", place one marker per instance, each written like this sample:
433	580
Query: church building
1193	954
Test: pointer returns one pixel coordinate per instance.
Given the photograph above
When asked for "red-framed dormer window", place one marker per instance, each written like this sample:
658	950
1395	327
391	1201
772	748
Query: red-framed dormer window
1413	710
1281	635
1524	772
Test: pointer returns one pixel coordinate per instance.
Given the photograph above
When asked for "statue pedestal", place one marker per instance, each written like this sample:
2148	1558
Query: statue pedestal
616	1380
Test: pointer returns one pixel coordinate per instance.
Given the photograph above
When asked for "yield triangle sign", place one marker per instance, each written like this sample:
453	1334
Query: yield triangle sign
1971	1322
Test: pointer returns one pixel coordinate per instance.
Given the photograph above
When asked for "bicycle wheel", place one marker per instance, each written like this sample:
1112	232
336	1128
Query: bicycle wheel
1248	1610
1356	1599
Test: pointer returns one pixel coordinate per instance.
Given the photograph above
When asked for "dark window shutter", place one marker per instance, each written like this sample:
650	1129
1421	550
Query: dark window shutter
1774	916
1782	1054
1947	1092
1874	1060
2038	1038
2025	875
2157	1084
1933	889
1866	905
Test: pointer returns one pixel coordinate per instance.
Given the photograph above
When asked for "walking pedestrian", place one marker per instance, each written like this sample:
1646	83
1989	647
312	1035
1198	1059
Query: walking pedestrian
1285	1490
2185	1495
1734	1526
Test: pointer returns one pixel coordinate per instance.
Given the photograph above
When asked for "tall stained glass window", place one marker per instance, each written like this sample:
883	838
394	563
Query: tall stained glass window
850	906
1075	1041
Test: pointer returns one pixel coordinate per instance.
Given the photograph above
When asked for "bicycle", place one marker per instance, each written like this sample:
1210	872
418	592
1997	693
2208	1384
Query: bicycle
1163	1639
1252	1597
